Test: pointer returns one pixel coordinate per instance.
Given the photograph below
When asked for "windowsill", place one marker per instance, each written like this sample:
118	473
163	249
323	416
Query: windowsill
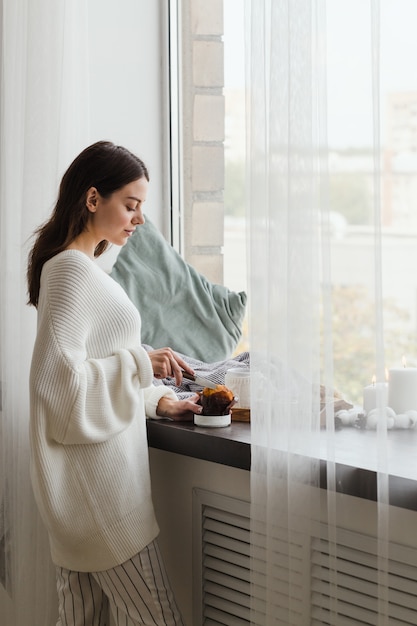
356	468
228	446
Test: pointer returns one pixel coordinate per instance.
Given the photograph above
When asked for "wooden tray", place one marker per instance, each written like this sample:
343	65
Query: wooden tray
240	415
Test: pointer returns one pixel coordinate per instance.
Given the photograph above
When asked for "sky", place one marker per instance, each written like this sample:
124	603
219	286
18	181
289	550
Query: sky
349	72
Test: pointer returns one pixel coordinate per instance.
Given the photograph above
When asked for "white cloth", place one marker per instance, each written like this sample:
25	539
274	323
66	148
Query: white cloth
90	385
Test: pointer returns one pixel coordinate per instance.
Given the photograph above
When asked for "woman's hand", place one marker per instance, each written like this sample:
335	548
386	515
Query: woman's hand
179	410
165	362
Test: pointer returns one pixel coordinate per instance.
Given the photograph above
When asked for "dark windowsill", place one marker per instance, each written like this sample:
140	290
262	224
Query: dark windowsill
228	446
355	456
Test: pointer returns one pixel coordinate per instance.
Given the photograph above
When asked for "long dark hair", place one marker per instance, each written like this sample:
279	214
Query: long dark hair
106	167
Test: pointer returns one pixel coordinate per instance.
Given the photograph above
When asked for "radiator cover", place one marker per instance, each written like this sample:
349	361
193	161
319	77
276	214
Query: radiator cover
222	557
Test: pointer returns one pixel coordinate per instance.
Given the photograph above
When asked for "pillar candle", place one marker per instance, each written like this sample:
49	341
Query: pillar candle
375	395
402	389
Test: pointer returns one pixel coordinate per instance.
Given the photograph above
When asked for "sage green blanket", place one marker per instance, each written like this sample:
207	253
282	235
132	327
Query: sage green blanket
179	307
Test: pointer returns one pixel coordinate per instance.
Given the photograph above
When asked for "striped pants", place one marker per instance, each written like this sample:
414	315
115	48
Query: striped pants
137	593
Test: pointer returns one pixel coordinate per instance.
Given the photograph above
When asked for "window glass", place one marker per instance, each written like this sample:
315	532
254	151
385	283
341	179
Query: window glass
235	269
355	196
235	138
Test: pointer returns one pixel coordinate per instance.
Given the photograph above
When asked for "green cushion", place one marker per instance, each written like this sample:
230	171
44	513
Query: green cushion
179	307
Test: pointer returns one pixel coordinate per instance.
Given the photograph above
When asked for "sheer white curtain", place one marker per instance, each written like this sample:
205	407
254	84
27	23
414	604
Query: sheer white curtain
43	124
302	54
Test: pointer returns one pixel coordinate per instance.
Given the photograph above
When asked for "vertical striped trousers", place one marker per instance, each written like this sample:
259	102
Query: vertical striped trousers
136	592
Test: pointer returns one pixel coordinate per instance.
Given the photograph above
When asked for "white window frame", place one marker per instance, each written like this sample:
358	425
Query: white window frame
175	155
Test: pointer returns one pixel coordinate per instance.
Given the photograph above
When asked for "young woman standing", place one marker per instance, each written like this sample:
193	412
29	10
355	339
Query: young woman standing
90	392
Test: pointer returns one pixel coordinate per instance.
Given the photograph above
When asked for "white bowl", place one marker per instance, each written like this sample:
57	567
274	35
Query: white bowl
213	421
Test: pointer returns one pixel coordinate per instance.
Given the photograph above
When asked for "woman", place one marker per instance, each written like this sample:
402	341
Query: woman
90	391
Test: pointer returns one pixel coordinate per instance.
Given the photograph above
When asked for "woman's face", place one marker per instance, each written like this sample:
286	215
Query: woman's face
116	218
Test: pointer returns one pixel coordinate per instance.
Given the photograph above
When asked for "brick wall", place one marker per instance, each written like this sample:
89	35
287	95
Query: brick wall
203	135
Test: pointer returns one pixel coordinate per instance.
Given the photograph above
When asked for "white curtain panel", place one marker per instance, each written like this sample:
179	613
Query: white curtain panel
314	73
284	218
43	125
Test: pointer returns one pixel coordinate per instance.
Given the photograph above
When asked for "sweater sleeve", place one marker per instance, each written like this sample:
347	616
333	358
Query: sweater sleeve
87	398
152	397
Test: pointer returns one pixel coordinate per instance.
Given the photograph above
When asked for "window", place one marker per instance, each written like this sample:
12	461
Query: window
353	196
212	140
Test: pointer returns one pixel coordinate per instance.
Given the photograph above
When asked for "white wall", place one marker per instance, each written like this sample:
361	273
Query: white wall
128	90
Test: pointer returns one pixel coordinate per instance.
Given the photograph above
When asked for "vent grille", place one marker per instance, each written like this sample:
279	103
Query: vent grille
347	581
327	579
221	554
222	560
226	567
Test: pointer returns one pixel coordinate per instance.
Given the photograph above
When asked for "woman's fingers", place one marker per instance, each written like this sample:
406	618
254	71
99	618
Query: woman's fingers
165	363
179	410
176	371
182	363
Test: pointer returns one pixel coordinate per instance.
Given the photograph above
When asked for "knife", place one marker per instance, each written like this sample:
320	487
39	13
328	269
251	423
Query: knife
200	380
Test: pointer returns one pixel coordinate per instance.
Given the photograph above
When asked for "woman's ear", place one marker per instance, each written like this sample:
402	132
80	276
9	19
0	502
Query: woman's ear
91	199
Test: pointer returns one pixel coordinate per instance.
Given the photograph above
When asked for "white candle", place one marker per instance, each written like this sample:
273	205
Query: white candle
374	396
402	389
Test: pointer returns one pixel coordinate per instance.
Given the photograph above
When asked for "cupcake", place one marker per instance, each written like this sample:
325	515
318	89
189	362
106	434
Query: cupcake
217	401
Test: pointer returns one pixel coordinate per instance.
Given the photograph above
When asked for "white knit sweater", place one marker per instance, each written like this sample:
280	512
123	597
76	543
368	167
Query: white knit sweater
90	387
